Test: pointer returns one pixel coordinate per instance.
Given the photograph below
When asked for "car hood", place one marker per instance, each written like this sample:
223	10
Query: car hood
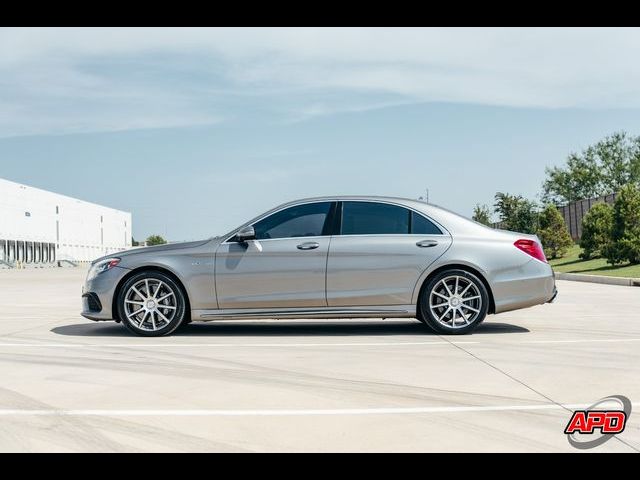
157	248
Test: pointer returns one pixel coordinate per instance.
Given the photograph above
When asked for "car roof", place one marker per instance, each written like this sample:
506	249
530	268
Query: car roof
379	198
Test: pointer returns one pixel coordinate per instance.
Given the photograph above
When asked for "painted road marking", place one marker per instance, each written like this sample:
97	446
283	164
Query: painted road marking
301	345
216	345
290	412
603	340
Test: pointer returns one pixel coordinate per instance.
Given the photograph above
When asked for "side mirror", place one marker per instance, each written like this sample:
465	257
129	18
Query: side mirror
246	233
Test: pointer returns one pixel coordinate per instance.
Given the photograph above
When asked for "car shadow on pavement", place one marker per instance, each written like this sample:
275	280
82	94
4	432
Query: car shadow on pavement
284	329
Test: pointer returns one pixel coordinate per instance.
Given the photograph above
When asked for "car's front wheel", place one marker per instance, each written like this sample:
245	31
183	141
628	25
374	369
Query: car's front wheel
454	302
151	304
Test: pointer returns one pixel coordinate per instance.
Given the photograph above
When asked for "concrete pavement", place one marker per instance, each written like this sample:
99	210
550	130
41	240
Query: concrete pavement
69	384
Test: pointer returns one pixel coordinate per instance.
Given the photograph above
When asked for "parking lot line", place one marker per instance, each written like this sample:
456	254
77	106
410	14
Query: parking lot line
288	412
596	340
217	345
303	345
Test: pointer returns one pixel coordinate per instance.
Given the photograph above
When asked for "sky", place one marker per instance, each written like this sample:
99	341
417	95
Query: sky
196	130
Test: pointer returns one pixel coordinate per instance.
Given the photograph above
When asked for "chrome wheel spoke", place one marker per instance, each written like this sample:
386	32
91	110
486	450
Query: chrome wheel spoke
163	317
444	314
468	299
144	317
137	292
470	308
133	314
160	284
165	297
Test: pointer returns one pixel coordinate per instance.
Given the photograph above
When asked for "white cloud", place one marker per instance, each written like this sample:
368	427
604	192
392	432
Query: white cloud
76	80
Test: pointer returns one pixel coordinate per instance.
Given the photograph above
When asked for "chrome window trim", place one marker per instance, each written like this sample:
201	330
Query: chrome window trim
445	232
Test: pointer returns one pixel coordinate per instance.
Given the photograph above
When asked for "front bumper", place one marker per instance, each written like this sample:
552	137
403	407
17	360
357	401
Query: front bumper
98	294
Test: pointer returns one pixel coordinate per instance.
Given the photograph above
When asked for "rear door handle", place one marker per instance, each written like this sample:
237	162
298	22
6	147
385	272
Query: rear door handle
427	243
308	245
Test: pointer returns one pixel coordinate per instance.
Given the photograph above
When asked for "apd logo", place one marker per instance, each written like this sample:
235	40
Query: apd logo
599	423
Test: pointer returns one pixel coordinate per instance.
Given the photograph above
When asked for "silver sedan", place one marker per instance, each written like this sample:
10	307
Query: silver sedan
331	257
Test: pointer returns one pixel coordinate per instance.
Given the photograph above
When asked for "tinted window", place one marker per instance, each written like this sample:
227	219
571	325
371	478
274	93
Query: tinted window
369	218
422	226
300	221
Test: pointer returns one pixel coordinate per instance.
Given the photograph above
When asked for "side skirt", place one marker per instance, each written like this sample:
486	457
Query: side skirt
392	311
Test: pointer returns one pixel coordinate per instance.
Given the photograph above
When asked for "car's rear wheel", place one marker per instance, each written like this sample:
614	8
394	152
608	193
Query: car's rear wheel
454	302
151	304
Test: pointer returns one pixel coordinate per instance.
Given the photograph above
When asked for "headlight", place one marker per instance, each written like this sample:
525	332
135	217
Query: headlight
101	267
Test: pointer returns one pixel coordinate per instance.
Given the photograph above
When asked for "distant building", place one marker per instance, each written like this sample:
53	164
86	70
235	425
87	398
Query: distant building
37	226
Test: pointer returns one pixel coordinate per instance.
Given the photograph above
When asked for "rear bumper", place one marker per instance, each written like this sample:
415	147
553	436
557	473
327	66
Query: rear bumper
553	297
533	284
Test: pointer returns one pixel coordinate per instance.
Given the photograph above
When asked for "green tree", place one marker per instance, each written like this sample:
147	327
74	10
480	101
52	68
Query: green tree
482	214
155	240
618	156
580	178
553	232
625	237
597	227
600	169
516	213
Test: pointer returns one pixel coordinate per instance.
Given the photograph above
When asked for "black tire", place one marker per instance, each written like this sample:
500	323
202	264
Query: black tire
176	303
453	316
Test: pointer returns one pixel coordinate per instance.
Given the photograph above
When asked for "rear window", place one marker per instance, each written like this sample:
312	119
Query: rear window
423	226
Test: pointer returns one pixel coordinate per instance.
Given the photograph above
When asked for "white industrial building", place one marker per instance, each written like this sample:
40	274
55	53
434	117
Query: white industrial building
41	227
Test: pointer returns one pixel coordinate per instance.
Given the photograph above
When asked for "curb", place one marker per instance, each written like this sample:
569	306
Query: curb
578	277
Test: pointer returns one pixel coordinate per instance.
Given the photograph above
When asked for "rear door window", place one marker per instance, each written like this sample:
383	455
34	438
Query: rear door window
372	218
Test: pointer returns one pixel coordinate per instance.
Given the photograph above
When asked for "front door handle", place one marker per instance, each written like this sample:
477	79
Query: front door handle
308	245
427	243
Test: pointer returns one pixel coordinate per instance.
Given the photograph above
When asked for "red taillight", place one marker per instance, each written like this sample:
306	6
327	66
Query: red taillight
531	247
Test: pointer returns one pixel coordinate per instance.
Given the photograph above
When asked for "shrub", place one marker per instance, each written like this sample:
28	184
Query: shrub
553	232
597	227
625	237
155	240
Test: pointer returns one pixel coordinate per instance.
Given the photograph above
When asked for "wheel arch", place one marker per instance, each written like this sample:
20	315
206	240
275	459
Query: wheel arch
459	266
148	268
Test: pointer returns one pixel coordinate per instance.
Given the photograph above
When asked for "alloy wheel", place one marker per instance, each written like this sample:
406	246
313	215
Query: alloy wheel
455	301
150	304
